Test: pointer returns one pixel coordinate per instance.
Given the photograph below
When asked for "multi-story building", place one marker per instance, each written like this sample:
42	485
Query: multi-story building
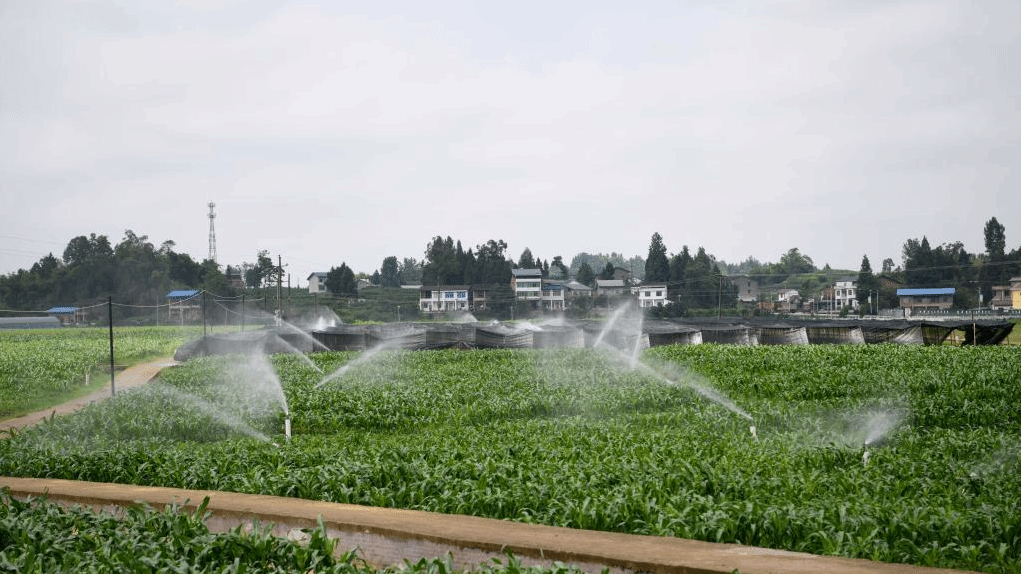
845	294
611	287
1007	297
317	282
553	296
527	285
652	295
747	288
926	299
444	298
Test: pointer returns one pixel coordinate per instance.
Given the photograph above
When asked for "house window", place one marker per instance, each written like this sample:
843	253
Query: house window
659	293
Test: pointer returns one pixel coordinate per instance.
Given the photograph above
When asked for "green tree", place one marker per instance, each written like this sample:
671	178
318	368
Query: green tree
260	274
410	271
341	280
794	263
657	266
389	273
608	271
678	271
214	281
585	275
441	265
701	286
996	240
526	261
557	268
491	264
868	284
918	263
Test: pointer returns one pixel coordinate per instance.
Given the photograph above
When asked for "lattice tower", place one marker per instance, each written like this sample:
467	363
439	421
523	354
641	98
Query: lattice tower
212	233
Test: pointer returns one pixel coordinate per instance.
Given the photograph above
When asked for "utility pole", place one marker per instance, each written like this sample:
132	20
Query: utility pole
280	286
109	303
719	301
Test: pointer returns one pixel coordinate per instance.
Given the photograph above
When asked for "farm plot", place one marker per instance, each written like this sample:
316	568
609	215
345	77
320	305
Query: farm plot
41	365
899	454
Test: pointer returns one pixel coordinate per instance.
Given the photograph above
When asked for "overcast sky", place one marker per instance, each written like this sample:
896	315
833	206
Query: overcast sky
349	131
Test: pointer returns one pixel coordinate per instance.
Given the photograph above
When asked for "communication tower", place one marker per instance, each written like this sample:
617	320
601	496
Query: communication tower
212	233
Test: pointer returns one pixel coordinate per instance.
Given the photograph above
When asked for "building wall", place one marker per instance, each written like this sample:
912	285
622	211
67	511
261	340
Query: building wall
652	296
926	302
845	293
443	300
528	288
317	284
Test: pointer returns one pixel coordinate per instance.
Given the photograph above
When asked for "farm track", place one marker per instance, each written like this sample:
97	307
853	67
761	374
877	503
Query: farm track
129	378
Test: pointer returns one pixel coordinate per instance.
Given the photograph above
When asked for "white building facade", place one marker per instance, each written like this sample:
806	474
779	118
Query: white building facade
553	296
444	298
527	284
317	282
845	294
652	295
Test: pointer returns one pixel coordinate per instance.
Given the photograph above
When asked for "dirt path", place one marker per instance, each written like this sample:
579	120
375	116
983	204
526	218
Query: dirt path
128	378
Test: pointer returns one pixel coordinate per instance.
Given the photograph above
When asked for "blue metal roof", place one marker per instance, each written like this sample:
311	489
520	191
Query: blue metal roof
62	310
945	291
183	294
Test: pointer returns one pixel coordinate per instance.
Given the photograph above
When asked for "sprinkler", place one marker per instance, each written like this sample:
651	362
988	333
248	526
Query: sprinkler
287	427
754	435
865	454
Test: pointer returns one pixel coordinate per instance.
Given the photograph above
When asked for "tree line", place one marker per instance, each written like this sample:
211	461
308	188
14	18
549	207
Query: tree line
138	272
972	275
91	268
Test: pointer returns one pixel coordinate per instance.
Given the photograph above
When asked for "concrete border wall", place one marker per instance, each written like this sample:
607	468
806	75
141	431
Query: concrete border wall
388	537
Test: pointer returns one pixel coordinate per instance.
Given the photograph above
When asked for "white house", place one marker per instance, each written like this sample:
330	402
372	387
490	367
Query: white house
652	295
787	300
553	296
443	298
527	284
317	282
845	293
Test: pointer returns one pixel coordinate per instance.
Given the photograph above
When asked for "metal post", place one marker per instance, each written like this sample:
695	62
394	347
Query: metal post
109	303
280	286
242	312
203	313
719	301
